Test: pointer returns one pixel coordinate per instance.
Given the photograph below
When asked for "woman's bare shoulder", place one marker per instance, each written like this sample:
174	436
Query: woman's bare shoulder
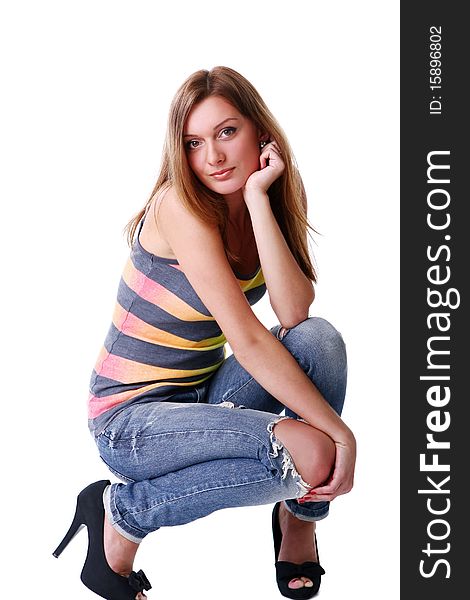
174	217
167	212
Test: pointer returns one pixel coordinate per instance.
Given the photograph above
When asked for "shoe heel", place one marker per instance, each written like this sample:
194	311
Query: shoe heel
75	527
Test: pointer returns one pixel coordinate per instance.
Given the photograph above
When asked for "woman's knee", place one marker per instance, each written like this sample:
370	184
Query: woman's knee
318	337
323	332
312	451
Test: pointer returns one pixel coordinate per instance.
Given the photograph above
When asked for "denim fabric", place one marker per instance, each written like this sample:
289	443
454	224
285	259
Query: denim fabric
213	446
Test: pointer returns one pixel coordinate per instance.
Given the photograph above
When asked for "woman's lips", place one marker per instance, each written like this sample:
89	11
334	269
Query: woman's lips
223	174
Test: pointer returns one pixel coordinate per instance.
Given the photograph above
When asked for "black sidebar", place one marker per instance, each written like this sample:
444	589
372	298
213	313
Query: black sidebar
435	332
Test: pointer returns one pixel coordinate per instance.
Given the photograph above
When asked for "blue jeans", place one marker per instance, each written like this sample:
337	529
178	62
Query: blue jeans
186	458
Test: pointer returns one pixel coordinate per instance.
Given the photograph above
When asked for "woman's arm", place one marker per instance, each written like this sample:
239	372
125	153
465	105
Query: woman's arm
291	293
200	252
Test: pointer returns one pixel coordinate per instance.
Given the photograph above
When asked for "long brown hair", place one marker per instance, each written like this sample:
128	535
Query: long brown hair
286	194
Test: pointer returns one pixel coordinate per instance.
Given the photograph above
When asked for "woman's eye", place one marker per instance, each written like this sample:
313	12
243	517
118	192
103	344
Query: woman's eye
224	133
192	144
228	131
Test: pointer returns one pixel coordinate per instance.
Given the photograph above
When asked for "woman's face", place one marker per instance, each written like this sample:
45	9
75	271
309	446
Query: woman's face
221	144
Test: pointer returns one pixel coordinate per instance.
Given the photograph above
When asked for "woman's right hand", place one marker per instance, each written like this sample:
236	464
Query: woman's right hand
341	479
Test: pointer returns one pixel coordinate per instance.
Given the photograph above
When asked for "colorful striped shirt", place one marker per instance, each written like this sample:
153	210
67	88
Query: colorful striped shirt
161	338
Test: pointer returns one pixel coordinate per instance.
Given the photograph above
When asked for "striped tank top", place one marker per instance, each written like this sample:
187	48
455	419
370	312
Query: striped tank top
162	337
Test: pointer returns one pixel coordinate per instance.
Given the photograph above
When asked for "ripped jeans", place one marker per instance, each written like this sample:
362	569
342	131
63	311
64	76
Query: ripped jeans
186	458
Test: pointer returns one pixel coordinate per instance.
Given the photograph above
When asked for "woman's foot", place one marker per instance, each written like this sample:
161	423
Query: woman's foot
297	543
120	552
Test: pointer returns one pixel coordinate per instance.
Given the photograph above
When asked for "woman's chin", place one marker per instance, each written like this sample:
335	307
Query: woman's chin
226	188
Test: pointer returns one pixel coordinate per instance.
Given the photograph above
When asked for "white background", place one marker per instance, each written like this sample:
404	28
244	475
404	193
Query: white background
86	90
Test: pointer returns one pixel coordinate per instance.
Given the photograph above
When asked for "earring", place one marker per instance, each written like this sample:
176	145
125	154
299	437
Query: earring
262	144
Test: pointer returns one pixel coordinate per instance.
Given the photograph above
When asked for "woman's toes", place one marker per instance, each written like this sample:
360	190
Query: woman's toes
295	584
299	582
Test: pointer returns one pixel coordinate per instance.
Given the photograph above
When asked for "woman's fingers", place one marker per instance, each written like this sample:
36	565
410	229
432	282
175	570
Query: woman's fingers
270	149
271	157
271	167
331	490
340	482
327	492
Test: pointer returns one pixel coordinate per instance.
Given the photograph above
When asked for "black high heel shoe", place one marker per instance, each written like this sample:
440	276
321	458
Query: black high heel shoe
96	574
285	571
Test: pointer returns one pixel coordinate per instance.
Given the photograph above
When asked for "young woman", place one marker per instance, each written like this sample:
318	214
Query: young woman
187	430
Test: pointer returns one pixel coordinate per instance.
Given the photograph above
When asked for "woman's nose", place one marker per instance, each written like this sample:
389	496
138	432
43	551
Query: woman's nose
215	156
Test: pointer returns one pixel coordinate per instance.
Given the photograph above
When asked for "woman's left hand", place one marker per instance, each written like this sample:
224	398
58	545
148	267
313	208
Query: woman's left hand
271	167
